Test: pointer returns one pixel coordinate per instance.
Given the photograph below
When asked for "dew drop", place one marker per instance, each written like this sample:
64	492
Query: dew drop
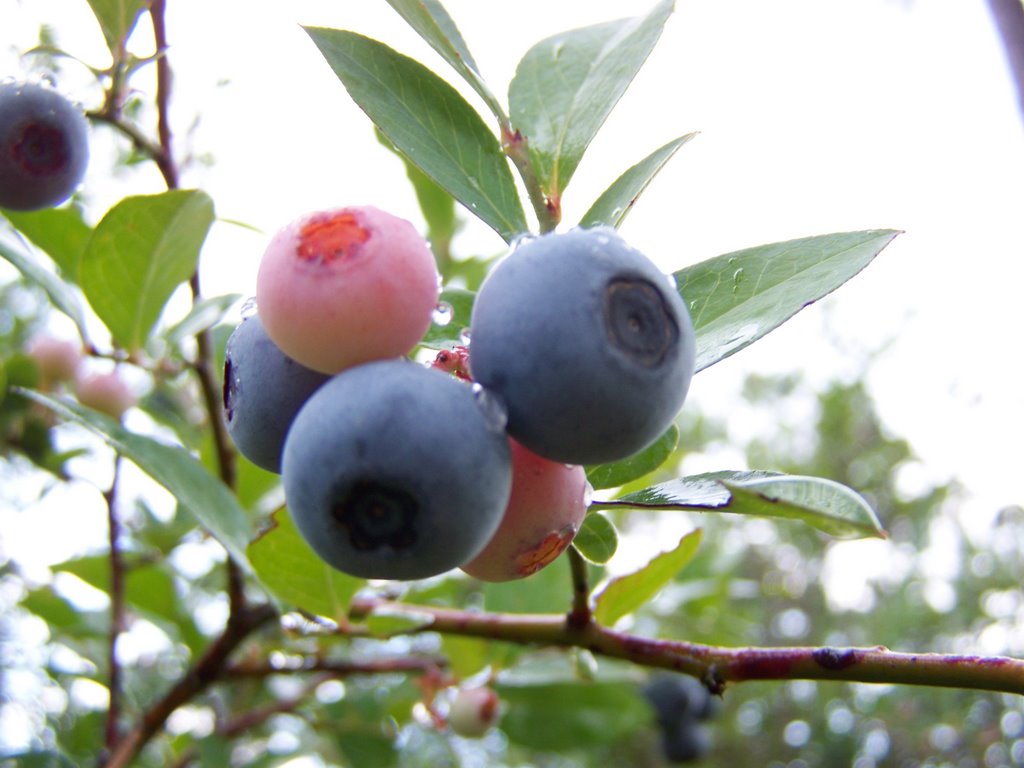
588	494
737	278
492	407
249	308
464	335
442	314
520	240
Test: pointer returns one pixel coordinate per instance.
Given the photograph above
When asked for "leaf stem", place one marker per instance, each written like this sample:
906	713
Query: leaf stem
548	210
719	666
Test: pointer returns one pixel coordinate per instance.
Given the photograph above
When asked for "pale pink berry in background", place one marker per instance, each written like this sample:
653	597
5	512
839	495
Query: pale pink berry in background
342	287
544	513
58	359
474	711
104	392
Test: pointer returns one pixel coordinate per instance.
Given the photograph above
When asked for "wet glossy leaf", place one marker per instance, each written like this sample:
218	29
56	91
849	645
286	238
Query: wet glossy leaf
174	468
140	252
621	472
565	716
737	298
61	233
623	595
597	539
291	570
824	504
433	23
429	122
566	86
617	201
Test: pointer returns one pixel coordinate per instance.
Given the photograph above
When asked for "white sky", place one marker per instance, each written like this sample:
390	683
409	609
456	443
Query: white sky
815	116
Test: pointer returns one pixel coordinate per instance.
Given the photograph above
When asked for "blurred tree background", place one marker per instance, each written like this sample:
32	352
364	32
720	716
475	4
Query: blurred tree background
935	584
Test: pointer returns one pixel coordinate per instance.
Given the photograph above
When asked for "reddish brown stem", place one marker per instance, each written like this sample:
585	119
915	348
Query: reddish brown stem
717	666
117	622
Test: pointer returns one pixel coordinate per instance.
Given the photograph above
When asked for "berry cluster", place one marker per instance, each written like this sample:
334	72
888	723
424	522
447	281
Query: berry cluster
681	704
44	147
581	352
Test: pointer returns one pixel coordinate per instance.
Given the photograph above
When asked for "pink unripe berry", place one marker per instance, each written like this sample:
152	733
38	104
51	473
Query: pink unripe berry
342	287
105	392
58	360
474	711
544	513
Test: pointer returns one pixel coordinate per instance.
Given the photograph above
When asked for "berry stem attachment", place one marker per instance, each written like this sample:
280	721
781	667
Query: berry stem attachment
580	615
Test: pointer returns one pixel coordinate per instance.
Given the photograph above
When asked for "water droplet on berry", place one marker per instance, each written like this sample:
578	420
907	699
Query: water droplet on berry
249	308
520	240
492	407
442	314
588	494
464	336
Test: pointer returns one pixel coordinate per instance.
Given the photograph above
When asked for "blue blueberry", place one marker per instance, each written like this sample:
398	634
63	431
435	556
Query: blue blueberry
686	743
678	697
44	147
680	703
588	344
396	471
263	390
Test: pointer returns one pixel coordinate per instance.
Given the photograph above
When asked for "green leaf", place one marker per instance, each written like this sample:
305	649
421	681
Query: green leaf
171	466
61	233
617	201
825	504
140	252
737	298
433	23
625	594
294	573
544	592
429	122
629	469
388	621
204	315
437	206
60	293
563	717
597	539
116	19
821	503
450	331
566	86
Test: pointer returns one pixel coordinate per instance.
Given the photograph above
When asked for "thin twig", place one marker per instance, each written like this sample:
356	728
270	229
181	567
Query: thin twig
201	675
117	619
